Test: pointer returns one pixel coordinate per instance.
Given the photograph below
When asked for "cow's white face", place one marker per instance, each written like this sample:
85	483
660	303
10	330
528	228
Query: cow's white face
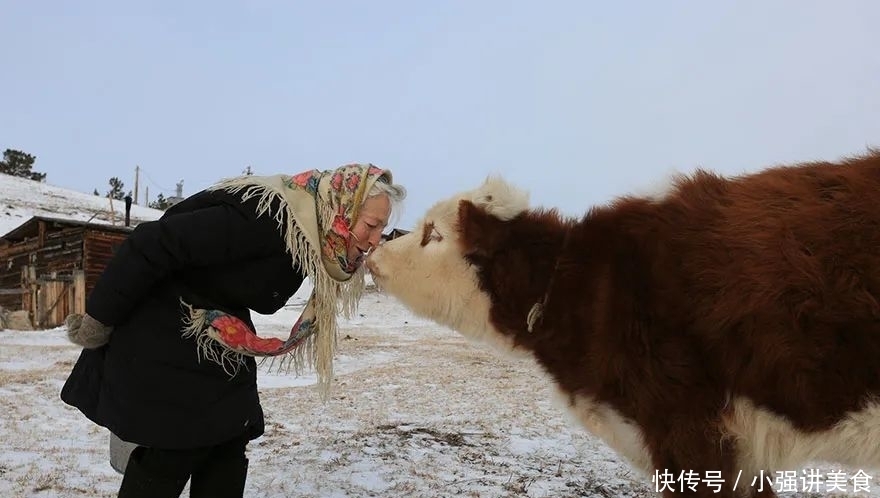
426	269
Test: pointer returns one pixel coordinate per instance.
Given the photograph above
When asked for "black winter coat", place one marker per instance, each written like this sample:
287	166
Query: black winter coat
147	384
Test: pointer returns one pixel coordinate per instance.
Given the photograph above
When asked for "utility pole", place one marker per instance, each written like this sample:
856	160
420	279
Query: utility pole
137	172
147	200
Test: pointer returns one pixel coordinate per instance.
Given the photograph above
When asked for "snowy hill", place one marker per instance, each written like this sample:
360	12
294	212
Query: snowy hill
20	199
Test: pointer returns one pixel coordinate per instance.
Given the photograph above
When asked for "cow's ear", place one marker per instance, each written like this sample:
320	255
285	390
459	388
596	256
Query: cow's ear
480	233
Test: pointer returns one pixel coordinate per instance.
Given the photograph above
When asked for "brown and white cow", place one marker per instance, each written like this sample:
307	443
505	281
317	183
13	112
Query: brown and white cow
731	326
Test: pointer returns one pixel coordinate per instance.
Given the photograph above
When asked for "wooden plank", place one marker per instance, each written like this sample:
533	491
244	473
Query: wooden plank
52	304
79	291
34	294
69	300
40	305
18	249
42	236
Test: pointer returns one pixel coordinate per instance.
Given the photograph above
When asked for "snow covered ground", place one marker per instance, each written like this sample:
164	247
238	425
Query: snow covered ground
417	411
21	198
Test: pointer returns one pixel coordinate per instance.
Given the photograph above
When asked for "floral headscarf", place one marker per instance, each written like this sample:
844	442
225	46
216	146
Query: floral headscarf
320	209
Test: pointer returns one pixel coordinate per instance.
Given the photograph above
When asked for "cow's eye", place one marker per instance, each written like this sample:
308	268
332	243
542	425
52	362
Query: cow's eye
430	234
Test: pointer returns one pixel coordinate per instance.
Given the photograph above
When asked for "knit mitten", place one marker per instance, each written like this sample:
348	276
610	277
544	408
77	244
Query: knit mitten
86	331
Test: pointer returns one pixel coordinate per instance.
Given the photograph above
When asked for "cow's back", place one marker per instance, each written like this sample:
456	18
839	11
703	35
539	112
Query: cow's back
780	272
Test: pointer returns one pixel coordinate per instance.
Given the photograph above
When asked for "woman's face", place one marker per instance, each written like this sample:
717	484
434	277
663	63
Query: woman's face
367	231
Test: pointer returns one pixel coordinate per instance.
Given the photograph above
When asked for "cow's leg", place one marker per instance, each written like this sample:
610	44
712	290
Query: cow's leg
691	452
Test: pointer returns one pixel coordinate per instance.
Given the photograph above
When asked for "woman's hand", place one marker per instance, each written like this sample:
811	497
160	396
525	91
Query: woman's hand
86	331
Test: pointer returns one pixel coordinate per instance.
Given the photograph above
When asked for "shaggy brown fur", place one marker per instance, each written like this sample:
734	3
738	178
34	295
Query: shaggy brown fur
762	287
765	286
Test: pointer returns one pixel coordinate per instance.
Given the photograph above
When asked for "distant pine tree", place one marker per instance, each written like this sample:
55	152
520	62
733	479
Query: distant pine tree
160	203
20	164
117	190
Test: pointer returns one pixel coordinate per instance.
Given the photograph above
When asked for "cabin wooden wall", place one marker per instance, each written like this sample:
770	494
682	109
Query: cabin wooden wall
13	259
98	249
52	274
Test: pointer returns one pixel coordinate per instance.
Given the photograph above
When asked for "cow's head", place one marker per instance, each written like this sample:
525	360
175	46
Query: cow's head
428	269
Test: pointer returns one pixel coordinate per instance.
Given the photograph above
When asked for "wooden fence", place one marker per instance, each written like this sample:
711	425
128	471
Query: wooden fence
50	298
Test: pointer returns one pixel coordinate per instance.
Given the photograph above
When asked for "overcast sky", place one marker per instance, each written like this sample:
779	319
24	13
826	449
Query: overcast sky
578	101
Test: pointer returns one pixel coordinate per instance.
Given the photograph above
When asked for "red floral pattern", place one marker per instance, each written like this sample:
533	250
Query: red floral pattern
238	336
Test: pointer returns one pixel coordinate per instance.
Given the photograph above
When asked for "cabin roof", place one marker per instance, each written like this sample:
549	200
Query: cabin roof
30	228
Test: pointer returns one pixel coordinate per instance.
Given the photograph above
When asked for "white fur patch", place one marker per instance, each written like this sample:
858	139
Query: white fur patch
434	280
764	441
660	188
499	198
768	441
619	433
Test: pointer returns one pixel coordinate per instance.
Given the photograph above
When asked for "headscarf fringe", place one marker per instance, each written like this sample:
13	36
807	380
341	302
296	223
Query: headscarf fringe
329	296
196	327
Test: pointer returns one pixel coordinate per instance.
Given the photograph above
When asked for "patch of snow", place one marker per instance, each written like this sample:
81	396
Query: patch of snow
416	411
21	199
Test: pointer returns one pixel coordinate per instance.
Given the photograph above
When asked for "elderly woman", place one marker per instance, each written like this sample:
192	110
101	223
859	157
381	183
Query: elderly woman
168	360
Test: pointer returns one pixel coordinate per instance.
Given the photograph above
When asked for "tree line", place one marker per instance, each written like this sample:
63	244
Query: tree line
117	192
